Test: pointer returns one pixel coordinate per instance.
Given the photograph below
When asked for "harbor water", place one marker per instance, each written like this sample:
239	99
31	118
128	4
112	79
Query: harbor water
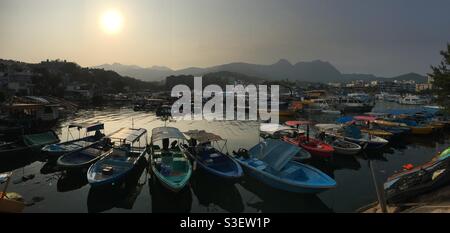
45	189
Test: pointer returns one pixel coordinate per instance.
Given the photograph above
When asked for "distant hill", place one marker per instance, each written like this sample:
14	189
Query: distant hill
311	71
221	78
154	73
412	76
319	71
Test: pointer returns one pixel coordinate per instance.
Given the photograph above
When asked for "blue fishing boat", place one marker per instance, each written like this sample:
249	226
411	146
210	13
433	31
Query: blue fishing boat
367	141
84	158
210	158
79	143
407	184
129	146
270	162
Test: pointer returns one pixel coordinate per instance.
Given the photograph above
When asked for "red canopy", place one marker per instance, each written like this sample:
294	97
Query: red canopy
364	118
297	123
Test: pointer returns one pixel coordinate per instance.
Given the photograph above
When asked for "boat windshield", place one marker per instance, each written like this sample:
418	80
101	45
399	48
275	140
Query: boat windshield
275	153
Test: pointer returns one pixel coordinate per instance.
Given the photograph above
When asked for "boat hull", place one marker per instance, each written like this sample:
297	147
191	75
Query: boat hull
417	130
10	206
369	145
165	182
277	183
321	149
233	174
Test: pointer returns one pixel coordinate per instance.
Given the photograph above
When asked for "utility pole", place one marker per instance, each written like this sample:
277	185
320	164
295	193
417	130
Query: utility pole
379	191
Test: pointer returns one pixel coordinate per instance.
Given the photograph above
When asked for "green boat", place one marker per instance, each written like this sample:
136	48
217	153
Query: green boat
169	164
28	143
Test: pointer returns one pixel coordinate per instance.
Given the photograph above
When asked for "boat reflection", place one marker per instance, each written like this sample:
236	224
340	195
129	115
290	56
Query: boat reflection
212	191
49	167
122	195
165	201
69	182
338	162
273	200
18	161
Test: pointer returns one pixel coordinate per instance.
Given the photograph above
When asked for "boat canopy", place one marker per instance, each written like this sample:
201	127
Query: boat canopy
364	118
272	128
203	136
344	119
160	133
88	126
40	139
297	123
128	134
326	127
275	153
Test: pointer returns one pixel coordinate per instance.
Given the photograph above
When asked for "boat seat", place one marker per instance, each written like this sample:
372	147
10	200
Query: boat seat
258	164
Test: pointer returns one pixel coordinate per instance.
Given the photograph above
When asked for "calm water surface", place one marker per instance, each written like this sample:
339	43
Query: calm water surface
46	189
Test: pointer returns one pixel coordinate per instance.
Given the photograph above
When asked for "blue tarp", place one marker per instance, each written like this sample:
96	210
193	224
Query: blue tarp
344	119
352	132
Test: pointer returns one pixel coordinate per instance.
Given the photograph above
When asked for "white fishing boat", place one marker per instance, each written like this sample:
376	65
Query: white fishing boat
412	100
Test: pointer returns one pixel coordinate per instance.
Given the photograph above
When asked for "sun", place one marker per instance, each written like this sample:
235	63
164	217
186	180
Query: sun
111	21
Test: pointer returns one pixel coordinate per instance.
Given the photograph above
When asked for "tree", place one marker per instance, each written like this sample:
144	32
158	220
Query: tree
441	79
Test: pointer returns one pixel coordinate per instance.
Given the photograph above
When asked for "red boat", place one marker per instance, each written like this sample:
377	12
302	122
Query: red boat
312	145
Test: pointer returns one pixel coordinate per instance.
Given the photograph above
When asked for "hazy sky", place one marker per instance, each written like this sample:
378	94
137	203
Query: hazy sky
383	37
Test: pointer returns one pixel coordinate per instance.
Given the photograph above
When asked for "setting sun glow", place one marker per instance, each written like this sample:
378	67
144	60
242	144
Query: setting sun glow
111	21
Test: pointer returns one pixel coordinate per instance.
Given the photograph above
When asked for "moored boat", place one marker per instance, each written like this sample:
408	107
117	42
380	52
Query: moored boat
272	164
85	157
314	146
338	143
410	183
367	141
9	202
29	142
345	148
115	166
169	165
208	157
79	143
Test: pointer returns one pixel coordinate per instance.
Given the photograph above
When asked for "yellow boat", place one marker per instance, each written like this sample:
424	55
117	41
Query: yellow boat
437	125
10	202
389	123
378	132
421	130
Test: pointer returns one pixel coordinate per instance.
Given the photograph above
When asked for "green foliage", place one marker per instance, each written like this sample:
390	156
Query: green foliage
441	76
53	77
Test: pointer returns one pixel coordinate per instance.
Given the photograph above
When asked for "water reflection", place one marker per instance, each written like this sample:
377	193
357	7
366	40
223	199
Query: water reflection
18	160
214	192
269	200
122	195
35	178
338	162
165	201
70	181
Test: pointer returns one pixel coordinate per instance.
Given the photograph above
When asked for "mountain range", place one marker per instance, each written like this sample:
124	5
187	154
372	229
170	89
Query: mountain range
312	71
